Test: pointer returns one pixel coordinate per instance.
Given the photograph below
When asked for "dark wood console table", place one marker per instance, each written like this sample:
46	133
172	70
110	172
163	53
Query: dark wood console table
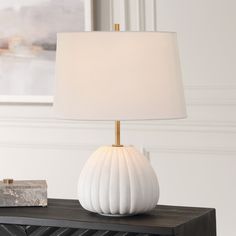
68	218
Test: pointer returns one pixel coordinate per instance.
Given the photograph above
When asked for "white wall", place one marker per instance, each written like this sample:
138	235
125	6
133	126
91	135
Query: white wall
195	159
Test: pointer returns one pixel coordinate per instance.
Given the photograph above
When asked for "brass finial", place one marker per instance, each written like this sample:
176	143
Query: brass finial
117	27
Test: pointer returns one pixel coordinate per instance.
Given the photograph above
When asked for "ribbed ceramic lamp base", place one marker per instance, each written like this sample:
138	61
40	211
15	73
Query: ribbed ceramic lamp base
118	181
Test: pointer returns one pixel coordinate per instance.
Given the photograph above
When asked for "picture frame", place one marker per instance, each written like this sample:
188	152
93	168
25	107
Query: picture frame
20	50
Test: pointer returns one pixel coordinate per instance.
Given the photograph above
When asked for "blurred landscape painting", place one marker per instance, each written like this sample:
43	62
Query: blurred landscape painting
28	42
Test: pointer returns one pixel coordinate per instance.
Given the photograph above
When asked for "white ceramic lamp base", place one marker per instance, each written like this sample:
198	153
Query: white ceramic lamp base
118	181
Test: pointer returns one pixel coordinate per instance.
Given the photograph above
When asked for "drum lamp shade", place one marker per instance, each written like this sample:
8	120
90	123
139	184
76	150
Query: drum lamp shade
118	76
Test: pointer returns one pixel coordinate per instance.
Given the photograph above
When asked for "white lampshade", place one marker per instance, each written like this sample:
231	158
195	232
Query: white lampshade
118	76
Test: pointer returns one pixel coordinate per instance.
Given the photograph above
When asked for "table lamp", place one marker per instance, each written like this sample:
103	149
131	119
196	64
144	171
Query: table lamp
116	76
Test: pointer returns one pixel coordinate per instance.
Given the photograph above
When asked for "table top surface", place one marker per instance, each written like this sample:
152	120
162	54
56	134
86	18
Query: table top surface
69	213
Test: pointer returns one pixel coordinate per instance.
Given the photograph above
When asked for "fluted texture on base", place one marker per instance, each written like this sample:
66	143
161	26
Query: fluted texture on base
118	180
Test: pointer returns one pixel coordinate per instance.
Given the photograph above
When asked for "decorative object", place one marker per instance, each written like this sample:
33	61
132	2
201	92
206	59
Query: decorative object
68	218
28	45
15	193
118	76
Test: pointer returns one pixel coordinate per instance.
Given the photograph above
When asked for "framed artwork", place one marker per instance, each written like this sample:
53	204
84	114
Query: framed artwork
28	31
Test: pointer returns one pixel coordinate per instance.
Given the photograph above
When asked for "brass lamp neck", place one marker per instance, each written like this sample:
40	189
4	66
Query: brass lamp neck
117	27
117	122
117	134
